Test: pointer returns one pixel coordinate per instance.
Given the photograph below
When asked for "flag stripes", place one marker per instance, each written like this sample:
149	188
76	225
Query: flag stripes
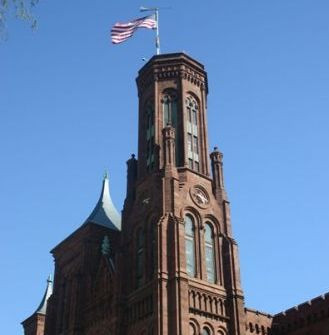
122	31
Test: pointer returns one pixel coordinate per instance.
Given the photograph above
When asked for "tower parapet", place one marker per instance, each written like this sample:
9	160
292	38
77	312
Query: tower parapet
311	316
172	89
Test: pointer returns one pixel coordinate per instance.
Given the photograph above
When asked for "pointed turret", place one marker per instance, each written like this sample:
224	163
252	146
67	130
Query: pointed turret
104	213
34	325
49	290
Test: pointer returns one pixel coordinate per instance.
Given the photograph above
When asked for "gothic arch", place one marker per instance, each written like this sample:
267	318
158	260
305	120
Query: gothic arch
169	97
194	96
172	91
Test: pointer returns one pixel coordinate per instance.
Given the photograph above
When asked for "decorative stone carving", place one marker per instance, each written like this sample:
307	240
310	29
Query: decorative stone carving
199	196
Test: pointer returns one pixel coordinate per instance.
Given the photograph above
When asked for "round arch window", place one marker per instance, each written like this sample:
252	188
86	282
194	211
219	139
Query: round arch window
192	329
206	331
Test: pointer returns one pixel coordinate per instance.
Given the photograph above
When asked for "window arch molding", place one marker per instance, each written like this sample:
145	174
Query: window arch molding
207	327
193	95
193	323
217	225
221	331
194	212
169	91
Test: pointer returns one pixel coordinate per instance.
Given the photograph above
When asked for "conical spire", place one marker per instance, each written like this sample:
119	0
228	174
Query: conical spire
105	214
49	290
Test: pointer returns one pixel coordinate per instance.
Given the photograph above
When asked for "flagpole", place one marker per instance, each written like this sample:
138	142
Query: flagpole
157	32
157	37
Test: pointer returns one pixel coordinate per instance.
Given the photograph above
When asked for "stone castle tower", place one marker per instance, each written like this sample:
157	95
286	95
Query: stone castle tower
176	232
171	267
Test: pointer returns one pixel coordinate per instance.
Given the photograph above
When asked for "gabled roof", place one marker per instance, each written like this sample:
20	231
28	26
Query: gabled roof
49	291
104	213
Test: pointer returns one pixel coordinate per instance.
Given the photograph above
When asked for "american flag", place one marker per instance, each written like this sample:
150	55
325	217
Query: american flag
122	31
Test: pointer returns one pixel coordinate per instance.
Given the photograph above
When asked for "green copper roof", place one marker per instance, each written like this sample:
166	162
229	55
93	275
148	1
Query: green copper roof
104	213
43	305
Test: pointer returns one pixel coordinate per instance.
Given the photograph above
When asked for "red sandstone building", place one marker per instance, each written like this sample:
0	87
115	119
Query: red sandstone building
174	239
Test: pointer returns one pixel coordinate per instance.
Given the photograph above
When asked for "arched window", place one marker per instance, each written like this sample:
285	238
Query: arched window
206	331
139	258
149	136
169	106
192	109
170	117
190	245
209	253
251	327
192	330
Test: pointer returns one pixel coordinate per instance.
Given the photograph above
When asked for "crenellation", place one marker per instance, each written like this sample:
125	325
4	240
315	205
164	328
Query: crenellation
258	322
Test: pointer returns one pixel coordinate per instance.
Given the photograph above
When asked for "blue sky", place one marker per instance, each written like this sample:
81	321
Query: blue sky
68	111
